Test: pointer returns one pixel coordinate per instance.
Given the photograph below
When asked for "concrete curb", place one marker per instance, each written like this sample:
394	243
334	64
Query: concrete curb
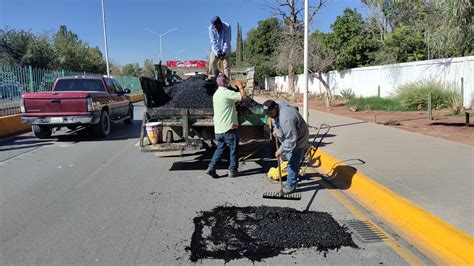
136	97
12	125
440	241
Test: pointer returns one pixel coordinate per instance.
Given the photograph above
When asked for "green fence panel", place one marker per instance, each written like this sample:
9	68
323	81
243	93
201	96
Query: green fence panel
16	80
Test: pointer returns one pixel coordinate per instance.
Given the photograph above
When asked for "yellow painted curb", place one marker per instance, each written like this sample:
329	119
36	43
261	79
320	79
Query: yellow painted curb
440	241
136	97
11	124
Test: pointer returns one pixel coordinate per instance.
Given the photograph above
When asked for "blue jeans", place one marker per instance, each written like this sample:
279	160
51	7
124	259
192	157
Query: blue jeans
230	139
294	158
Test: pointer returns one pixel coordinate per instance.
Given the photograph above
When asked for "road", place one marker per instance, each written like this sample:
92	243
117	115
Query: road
78	200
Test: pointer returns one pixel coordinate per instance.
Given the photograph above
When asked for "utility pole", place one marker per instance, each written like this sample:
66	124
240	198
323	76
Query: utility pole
105	40
305	88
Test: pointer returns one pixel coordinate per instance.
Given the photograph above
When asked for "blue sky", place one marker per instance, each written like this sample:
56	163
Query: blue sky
129	42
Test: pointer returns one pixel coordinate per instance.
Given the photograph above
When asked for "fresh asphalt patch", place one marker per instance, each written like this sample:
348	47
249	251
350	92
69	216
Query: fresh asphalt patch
257	233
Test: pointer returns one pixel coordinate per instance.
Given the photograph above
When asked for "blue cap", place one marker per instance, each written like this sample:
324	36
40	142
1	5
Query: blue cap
216	20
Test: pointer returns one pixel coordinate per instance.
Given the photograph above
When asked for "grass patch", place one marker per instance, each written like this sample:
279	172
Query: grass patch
376	103
415	95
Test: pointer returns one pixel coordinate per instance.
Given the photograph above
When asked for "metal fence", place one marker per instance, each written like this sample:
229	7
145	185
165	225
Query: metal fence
15	80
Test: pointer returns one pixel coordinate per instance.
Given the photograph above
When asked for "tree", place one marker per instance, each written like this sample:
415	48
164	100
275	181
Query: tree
131	70
94	62
40	53
450	30
405	44
321	60
14	46
148	69
71	51
240	49
261	46
355	47
291	12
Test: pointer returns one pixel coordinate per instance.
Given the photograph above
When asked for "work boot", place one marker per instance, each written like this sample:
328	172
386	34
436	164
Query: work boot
288	190
233	174
211	172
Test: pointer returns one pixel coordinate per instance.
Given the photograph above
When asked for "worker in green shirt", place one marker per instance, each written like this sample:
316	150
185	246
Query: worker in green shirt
226	124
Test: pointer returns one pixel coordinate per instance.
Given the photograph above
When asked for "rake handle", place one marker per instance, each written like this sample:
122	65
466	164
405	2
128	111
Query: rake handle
279	167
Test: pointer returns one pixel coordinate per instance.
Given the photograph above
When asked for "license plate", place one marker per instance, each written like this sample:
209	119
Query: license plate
56	120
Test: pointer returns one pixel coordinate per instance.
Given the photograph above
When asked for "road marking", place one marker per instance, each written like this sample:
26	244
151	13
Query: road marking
407	255
438	240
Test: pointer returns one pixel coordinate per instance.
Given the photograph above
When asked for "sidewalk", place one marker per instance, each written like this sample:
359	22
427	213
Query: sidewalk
435	174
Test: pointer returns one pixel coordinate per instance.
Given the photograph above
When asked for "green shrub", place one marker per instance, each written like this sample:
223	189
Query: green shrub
347	93
376	103
414	95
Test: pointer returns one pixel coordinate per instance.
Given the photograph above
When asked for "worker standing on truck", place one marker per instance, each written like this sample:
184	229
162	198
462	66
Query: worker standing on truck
226	124
293	133
220	36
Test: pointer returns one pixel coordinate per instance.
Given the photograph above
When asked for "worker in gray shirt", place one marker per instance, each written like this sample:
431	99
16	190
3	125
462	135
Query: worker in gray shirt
293	133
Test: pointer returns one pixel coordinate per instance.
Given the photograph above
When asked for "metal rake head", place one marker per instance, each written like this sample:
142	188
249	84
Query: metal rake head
280	195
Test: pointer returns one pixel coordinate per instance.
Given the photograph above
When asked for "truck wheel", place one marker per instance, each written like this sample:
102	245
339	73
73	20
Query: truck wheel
129	120
41	132
102	129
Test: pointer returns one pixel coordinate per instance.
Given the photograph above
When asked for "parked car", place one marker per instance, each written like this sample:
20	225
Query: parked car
11	91
77	101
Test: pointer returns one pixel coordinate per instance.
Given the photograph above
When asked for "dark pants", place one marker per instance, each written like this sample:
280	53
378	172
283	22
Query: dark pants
230	139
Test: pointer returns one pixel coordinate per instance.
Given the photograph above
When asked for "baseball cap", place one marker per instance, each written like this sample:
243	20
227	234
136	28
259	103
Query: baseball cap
268	106
216	20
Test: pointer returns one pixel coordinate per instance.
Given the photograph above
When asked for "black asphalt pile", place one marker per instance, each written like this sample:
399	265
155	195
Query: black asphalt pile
249	103
195	92
257	233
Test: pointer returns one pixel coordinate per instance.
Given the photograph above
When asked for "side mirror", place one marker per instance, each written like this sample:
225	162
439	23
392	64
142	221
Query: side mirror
126	91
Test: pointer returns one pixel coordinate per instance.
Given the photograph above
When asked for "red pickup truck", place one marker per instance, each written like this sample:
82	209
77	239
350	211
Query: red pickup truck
77	101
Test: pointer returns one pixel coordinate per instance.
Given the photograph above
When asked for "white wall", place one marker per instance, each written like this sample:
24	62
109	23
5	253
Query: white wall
365	80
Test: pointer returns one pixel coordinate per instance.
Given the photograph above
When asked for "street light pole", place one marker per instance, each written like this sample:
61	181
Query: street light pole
105	40
161	35
305	95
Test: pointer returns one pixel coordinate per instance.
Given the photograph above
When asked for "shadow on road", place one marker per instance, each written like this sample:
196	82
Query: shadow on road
118	131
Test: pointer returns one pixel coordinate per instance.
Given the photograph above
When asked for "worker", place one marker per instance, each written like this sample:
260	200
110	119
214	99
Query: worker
220	36
292	131
226	124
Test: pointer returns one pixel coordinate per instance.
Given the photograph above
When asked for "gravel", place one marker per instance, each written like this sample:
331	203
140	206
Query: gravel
256	233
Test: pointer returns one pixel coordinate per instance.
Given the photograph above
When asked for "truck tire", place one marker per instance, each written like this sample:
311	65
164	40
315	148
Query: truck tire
41	132
129	120
102	129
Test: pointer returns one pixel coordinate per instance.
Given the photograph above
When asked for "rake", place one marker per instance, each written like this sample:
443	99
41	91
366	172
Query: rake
280	194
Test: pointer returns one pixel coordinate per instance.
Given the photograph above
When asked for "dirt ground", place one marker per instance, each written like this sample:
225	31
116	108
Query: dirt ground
443	125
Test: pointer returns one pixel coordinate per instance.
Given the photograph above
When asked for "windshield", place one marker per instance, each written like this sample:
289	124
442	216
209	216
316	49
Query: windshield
79	85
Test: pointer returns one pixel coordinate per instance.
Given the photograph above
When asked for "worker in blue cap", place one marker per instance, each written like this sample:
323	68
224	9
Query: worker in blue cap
220	36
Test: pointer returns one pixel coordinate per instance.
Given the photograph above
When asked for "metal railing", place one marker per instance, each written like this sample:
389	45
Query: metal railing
16	80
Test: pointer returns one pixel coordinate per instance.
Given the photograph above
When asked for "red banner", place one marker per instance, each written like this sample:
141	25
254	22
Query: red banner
187	64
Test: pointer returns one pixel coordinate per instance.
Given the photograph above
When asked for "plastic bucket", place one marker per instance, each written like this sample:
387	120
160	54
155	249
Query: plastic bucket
154	131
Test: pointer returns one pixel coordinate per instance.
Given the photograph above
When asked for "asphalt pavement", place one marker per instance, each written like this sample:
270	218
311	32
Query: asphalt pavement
74	199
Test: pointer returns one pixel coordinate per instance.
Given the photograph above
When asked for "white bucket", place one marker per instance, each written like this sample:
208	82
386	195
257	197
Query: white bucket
154	131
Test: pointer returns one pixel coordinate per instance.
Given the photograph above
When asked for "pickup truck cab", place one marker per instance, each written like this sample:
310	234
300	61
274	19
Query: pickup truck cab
77	101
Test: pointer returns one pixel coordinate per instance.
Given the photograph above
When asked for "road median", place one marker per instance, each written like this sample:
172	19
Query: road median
440	241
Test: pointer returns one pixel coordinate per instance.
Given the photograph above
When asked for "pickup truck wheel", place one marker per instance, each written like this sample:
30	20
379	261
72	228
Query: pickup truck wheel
41	132
129	120
102	129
